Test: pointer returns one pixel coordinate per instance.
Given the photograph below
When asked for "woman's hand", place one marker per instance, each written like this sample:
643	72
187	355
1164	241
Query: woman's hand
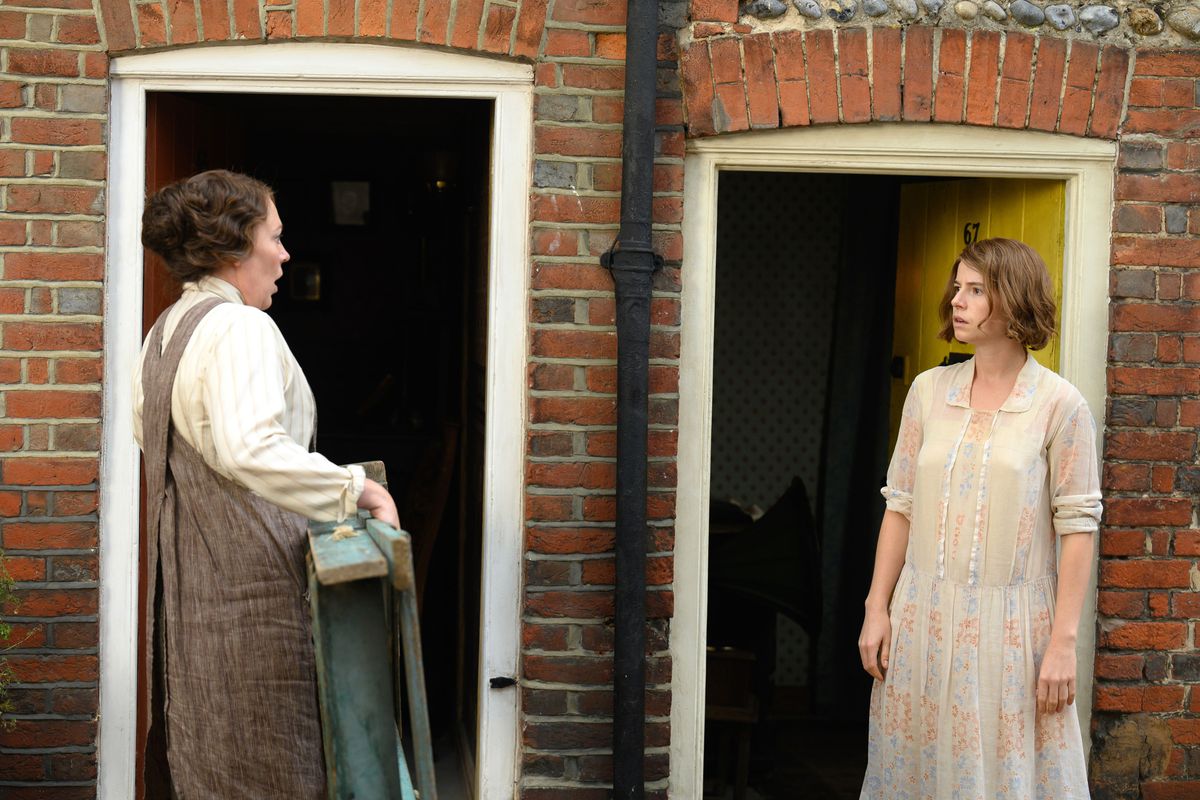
1056	681
376	500
875	641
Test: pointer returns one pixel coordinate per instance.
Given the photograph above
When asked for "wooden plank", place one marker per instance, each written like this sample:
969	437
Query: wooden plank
354	684
406	786
338	558
396	547
418	708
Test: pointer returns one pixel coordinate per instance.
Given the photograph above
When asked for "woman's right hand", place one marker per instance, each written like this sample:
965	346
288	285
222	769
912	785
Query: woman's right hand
875	641
376	501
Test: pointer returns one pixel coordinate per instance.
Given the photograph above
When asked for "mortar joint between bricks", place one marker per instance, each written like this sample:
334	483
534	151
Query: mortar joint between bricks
590	719
585	27
572	459
968	52
574	557
33	216
50	318
1062	90
585	589
577	91
935	56
574	124
46	11
570	361
837	72
25	44
43	183
584	61
573	492
49	353
41	113
574	751
1033	67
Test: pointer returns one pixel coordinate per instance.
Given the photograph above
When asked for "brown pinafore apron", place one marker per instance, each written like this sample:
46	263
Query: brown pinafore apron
237	672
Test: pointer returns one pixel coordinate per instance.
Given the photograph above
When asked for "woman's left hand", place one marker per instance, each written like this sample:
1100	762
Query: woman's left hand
1056	681
376	500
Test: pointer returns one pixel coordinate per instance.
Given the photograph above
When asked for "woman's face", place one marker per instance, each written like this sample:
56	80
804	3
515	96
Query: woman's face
256	274
971	310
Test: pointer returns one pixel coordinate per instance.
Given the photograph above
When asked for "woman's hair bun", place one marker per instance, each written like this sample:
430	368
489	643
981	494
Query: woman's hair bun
199	224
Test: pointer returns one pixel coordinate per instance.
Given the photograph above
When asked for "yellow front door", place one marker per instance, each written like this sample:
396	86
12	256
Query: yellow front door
937	220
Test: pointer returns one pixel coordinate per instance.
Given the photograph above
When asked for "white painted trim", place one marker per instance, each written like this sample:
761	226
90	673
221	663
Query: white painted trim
499	739
120	464
903	149
690	625
296	68
307	63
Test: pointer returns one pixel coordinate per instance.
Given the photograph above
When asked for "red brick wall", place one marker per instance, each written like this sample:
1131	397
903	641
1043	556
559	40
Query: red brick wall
52	160
570	473
52	156
1147	699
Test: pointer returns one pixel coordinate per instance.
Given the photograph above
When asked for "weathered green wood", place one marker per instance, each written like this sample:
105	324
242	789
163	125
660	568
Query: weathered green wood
354	682
396	547
418	709
406	786
352	617
338	560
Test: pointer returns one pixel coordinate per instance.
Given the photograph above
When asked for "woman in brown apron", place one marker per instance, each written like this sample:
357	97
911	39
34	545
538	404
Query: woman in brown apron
225	419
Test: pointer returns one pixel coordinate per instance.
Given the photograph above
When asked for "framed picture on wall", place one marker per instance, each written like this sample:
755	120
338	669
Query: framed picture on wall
351	202
304	281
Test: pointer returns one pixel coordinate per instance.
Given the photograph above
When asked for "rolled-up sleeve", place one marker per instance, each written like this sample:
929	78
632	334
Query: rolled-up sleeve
244	398
902	472
1074	476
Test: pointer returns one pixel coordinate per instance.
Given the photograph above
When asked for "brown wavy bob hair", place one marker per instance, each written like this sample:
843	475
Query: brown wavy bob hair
1018	287
200	224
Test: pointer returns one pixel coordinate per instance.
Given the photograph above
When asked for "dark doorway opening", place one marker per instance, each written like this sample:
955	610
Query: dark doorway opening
828	288
806	268
384	302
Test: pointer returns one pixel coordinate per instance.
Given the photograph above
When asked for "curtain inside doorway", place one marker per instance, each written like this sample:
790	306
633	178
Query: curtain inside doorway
854	459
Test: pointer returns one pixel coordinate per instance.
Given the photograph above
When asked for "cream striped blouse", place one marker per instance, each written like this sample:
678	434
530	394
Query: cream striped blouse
241	400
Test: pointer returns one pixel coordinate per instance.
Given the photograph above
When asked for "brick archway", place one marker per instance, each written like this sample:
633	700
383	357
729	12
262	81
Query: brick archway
792	78
506	30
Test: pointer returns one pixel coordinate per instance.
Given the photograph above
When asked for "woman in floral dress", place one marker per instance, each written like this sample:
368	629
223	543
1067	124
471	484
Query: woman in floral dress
973	613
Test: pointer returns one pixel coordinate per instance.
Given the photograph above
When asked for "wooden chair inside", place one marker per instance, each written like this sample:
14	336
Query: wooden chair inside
731	709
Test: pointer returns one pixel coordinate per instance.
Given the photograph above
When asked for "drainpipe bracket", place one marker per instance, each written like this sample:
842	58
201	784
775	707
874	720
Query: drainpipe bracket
632	259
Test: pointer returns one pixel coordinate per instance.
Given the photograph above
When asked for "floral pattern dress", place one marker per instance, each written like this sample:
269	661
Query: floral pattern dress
986	494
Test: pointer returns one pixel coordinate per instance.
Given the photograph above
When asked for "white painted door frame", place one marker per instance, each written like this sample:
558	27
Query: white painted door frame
880	148
338	69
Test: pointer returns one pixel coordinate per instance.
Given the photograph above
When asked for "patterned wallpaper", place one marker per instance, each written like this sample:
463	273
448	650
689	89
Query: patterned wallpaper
777	252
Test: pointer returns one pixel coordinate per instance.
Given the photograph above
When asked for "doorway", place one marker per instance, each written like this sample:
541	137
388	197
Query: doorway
858	174
384	304
816	335
325	69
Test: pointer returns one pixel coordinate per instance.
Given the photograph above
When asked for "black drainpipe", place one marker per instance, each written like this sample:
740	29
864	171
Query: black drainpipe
633	262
